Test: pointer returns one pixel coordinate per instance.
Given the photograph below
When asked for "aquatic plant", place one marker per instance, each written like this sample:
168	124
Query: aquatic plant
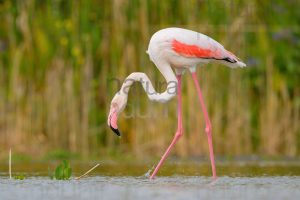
62	172
19	177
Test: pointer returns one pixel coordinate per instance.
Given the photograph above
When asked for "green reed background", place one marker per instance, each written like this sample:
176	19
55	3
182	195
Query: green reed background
59	61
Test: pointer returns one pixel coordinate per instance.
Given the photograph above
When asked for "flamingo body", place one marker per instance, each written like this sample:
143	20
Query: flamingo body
180	49
185	48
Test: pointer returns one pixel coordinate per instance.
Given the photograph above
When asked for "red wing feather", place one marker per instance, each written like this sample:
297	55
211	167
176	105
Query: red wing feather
191	50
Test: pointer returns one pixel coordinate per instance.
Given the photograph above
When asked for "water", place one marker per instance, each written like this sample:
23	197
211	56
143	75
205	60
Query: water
178	187
173	184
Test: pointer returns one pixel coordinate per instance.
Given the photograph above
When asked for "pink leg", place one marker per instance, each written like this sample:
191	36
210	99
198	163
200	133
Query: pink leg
207	125
178	132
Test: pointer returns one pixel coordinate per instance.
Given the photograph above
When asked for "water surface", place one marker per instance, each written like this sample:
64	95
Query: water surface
175	182
177	187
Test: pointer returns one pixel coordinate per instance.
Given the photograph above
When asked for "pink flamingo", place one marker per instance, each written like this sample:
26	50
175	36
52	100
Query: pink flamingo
182	50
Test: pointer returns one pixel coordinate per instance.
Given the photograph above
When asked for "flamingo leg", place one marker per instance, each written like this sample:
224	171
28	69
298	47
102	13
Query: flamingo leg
178	132
208	129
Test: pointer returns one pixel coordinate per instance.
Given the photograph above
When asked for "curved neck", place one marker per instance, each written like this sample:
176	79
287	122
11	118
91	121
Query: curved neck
165	96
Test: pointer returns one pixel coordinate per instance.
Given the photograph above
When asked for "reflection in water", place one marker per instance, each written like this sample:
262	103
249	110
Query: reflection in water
235	169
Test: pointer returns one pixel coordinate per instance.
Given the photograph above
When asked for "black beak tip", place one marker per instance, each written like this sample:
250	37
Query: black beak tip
116	131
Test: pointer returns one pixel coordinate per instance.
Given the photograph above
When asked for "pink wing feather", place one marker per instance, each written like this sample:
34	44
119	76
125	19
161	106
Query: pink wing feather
193	50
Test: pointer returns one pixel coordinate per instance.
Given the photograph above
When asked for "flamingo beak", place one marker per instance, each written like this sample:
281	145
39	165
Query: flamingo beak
112	122
116	131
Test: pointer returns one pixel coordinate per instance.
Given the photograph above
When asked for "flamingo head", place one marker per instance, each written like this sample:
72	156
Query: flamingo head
117	105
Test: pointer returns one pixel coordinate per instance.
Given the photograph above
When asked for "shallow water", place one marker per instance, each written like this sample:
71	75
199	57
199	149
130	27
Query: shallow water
264	180
177	187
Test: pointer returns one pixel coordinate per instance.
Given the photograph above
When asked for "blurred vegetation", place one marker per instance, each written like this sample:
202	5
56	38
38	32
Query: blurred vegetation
58	60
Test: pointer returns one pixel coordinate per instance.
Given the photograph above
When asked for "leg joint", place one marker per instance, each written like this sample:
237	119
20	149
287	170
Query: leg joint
179	132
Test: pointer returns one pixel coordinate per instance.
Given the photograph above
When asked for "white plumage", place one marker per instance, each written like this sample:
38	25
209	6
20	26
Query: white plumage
160	48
